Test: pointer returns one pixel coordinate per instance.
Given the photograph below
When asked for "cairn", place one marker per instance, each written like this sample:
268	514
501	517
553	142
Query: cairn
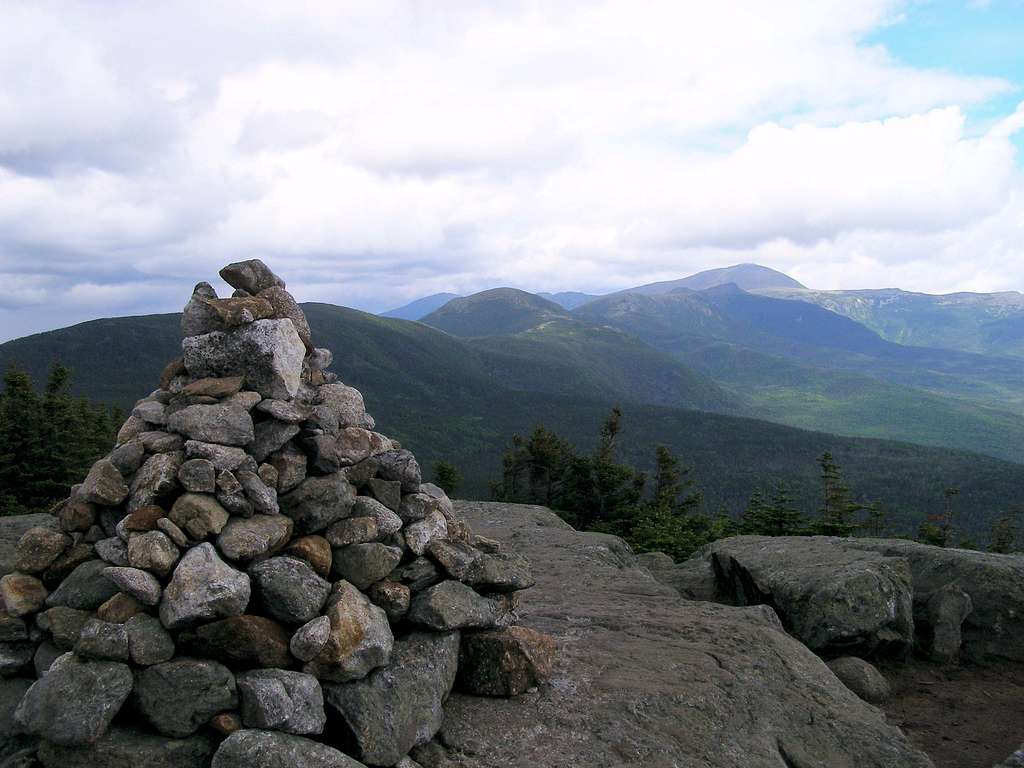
253	577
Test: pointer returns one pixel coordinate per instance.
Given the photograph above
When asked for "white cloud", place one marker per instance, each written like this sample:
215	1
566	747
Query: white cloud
373	152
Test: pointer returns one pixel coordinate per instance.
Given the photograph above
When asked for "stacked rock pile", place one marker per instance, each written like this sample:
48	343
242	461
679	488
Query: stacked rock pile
253	576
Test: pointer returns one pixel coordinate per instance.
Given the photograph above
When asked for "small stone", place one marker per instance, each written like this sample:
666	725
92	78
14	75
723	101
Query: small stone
310	638
136	582
173	532
153	552
246	539
232	496
104	485
269	749
113	551
360	638
290	589
418	575
203	588
504	662
156	481
268	474
240	641
213	387
290	464
222	424
452	605
861	678
393	598
226	723
363	564
223	457
318	502
151	412
103	640
315	550
161	442
75	701
387	492
388	522
263	499
180	696
133	427
141	520
128	457
38	548
416	506
275	699
199	515
198	476
402	466
65	625
287	411
124	747
270	436
148	642
251	276
21	594
418	536
354	530
76	515
119	608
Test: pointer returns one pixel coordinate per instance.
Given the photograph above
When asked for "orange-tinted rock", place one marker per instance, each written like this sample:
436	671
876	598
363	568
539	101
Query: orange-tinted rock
504	662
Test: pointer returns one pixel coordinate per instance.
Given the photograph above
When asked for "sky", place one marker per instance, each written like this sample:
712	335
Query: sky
375	152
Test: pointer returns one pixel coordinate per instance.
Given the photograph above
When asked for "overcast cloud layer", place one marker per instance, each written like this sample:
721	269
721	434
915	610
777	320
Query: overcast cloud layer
376	152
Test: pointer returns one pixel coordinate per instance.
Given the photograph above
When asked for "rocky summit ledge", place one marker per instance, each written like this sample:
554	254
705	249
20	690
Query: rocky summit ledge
643	678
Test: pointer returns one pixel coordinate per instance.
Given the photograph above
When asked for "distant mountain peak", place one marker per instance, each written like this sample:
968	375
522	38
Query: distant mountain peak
493	312
748	277
419	308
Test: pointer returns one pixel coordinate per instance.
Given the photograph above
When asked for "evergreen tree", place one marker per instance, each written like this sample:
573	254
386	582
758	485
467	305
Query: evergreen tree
1005	537
447	477
876	519
775	516
20	443
837	510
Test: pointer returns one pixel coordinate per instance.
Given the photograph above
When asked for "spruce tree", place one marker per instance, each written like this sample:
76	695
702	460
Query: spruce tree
20	444
837	510
447	477
1005	537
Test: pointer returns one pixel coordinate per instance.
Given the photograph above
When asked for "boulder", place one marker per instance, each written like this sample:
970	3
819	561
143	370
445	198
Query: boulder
148	642
453	605
387	492
86	588
262	497
151	412
418	575
113	551
77	515
400	706
240	310
161	442
392	597
12	528
21	594
75	701
402	466
940	634
153	551
315	550
128	457
266	749
138	583
318	502
156	481
278	700
267	353
173	532
199	515
270	436
360	639
103	640
339	406
178	697
223	457
504	662
242	642
218	388
416	506
131	748
104	485
284	305
310	638
251	276
349	447
363	564
354	530
198	316
289	589
833	598
203	588
288	411
231	494
861	678
419	535
198	476
290	464
245	539
38	548
222	424
387	521
500	572
64	625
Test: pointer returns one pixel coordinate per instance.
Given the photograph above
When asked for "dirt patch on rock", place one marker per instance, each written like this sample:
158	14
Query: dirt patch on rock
963	717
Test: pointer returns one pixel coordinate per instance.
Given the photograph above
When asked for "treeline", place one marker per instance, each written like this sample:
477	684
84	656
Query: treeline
48	440
666	513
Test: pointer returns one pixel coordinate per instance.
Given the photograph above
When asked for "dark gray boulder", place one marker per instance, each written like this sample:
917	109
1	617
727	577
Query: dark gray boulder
861	678
251	276
453	605
266	749
318	502
279	700
289	589
400	706
86	588
400	465
363	564
130	748
75	701
12	529
221	424
178	697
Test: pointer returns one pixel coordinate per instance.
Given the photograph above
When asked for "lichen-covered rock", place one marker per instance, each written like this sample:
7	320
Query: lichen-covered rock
156	481
153	551
278	700
199	515
392	597
104	485
203	588
222	424
130	748
38	548
353	530
267	353
198	476
290	464
363	564
289	589
75	701
318	502
339	406
245	539
113	551
400	706
21	594
387	521
349	447
402	466
453	605
270	436
198	317
136	582
504	662
267	749
251	276
360	639
419	535
223	457
231	494
284	305
263	498
178	697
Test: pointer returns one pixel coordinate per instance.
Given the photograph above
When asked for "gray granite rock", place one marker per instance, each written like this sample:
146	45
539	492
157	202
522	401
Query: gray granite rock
289	589
318	502
148	642
222	424
266	749
131	748
140	584
310	638
363	564
245	539
178	697
203	588
279	700
360	639
103	640
86	588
